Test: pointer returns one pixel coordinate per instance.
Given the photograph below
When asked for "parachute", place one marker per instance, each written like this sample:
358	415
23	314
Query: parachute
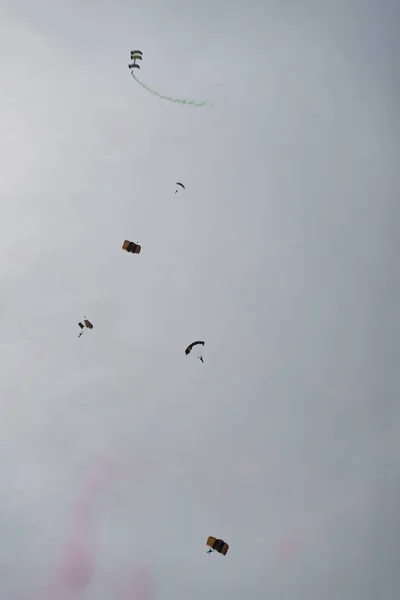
131	247
189	348
85	323
218	545
135	55
181	184
138	55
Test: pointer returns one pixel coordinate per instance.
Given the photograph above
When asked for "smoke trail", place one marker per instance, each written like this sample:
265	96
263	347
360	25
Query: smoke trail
176	100
75	569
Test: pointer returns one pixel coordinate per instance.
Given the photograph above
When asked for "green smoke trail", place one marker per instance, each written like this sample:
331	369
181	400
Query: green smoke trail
188	102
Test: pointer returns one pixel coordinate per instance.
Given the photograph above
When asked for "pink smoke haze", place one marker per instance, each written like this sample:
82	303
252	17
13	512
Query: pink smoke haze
323	524
137	587
75	569
286	547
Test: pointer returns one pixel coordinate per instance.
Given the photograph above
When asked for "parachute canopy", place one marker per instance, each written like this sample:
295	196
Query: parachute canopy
218	545
131	247
189	348
85	323
135	55
181	184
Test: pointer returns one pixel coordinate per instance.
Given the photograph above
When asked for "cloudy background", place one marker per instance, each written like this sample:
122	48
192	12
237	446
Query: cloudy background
119	455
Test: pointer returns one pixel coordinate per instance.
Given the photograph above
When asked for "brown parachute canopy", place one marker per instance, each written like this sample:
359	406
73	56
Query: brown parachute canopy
85	323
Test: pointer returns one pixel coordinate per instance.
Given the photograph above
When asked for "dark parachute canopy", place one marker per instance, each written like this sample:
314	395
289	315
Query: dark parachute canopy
131	247
135	55
181	184
217	545
189	348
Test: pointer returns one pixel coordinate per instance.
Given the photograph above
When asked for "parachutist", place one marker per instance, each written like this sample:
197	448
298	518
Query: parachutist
85	323
217	545
135	55
201	358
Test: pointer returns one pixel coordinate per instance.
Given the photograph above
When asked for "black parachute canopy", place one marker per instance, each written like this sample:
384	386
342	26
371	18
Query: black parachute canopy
189	348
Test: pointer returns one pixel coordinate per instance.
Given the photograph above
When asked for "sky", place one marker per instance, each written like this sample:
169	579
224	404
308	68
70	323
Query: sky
119	454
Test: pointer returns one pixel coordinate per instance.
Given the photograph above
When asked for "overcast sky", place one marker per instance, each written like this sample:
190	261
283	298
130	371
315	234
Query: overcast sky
119	455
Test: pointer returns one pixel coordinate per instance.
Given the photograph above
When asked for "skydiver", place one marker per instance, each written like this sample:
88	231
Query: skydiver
80	334
201	358
209	551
